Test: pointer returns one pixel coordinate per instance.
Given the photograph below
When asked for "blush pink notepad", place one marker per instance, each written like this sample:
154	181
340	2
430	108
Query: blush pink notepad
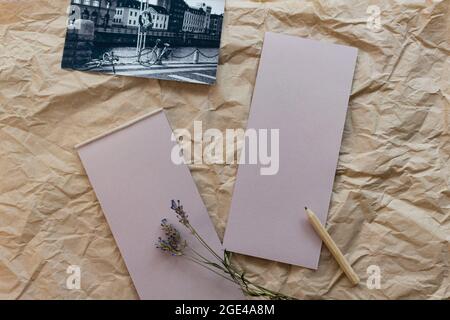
302	89
135	180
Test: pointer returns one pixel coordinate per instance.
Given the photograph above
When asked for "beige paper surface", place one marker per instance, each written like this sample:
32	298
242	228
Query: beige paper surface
390	205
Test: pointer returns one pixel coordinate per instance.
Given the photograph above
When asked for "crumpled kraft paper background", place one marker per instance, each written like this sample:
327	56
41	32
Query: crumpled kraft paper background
391	201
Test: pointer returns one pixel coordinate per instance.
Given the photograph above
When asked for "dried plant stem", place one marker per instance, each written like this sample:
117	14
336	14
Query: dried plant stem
203	242
221	266
207	267
238	278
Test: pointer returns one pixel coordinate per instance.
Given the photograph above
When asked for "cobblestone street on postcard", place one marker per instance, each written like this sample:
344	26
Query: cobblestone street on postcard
183	64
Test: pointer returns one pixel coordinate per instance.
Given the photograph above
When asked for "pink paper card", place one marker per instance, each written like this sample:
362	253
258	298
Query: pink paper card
302	90
135	180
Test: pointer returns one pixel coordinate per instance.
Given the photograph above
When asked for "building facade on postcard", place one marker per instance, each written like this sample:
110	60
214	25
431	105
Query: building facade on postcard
166	15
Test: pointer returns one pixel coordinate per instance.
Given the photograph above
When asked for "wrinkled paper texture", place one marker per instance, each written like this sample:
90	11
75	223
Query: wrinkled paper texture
390	206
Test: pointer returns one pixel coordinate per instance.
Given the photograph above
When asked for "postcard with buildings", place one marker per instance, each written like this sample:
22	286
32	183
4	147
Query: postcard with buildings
162	39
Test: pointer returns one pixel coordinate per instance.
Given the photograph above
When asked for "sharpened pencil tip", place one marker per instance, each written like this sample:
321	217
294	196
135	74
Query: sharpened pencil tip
306	208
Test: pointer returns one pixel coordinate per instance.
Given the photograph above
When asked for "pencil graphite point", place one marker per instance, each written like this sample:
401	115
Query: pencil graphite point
306	208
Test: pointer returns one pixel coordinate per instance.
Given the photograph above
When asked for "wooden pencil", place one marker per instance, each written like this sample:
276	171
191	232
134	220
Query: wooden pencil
331	245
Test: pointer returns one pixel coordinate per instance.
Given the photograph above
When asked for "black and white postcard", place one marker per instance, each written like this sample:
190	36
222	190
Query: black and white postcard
162	39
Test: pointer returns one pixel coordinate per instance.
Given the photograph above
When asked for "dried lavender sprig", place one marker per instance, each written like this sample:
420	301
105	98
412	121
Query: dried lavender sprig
228	269
176	246
183	218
